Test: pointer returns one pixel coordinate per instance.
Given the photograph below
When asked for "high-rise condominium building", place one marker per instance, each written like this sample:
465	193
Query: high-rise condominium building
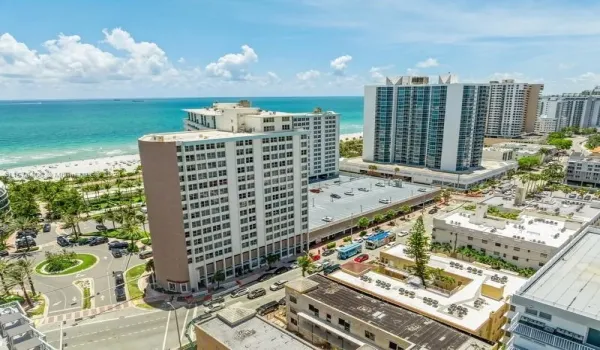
221	198
512	108
580	110
323	127
438	126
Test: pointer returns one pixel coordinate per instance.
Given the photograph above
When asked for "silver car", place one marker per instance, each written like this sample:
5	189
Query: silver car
239	292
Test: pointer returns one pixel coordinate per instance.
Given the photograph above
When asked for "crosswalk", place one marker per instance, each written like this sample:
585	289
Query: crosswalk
80	315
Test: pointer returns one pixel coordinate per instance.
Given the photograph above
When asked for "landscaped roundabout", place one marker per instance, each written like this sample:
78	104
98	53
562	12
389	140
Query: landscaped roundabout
65	263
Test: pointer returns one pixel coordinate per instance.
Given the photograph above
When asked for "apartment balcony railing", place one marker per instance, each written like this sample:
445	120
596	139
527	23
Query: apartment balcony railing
547	338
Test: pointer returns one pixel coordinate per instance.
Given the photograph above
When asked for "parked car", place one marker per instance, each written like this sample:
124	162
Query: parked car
572	195
349	193
25	242
385	201
120	293
380	184
363	189
22	234
214	300
327	252
422	189
214	307
3	253
403	233
281	270
294	265
327	219
116	253
433	210
267	308
361	258
101	227
259	292
118	245
98	240
278	285
264	277
336	196
239	292
47	227
145	254
282	301
316	257
357	240
326	262
63	241
144	209
317	267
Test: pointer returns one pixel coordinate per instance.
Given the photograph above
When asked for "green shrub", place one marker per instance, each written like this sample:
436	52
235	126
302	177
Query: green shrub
347	239
56	262
363	233
133	248
87	303
331	245
146	241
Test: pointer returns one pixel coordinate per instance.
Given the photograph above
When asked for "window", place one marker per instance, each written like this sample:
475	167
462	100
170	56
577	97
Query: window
470	238
172	286
545	316
531	311
484	241
369	335
543	255
313	309
393	346
329	318
512	308
498	244
515	257
517	249
345	324
294	321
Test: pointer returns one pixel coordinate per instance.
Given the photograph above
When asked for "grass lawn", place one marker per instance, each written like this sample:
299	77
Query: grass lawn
115	233
39	310
88	261
131	279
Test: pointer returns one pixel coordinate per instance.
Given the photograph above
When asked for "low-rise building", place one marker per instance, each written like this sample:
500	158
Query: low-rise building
4	202
490	169
498	154
237	328
545	124
529	149
583	170
537	231
17	331
558	307
343	314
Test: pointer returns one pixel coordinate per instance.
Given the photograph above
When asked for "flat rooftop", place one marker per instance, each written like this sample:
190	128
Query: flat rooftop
322	205
570	281
220	108
531	229
254	333
465	296
205	134
488	168
420	330
573	209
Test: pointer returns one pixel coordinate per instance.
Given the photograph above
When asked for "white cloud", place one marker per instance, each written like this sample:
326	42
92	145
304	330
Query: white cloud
181	60
273	77
233	66
377	73
340	64
587	77
308	75
412	72
428	63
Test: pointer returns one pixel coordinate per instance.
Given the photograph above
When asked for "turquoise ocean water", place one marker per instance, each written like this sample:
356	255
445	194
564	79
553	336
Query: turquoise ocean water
34	133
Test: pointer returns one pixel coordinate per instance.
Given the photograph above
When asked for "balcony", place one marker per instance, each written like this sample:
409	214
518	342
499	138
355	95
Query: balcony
547	338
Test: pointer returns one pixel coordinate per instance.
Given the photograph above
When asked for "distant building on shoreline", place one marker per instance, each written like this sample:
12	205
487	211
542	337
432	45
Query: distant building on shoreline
4	202
323	127
581	110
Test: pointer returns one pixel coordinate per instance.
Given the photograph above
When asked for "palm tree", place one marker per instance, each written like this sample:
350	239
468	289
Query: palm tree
96	188
4	267
150	268
305	262
110	215
396	171
27	266
23	223
142	219
17	276
446	248
72	222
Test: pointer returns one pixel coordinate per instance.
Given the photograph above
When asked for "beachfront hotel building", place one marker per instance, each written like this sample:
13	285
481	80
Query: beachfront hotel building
409	121
4	202
220	199
558	309
323	128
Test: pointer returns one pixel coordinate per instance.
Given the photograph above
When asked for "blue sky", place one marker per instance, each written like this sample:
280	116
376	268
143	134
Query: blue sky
97	49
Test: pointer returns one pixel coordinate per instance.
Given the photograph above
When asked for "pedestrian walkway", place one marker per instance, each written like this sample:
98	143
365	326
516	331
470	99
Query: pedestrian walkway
79	315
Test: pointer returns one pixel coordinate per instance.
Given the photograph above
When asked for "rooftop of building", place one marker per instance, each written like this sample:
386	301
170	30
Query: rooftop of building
323	209
204	134
469	295
245	108
411	326
561	208
239	329
591	158
20	329
524	146
570	280
550	232
497	149
488	168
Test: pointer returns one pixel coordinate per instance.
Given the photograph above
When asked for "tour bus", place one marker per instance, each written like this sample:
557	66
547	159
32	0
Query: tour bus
349	250
378	240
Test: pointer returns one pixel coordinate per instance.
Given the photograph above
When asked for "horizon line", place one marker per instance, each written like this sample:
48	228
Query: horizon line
169	98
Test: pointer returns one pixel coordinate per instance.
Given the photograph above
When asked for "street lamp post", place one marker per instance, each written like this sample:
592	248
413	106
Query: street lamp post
176	323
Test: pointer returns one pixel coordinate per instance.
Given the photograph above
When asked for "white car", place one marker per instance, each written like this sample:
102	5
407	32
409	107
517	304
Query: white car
278	285
422	189
390	245
294	266
215	307
357	240
362	189
327	219
349	193
403	233
385	201
380	184
144	209
317	267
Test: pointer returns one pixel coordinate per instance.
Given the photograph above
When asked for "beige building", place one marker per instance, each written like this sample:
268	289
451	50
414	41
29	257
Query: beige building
219	200
498	154
339	315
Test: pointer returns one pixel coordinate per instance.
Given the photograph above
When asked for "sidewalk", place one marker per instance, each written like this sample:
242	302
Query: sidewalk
79	315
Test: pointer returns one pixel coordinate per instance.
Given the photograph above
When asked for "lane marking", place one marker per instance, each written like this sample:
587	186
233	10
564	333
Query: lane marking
166	331
184	323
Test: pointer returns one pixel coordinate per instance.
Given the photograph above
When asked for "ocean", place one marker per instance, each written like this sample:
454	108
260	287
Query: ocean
43	132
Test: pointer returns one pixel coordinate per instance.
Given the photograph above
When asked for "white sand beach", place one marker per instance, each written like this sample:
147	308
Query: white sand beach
88	166
76	167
